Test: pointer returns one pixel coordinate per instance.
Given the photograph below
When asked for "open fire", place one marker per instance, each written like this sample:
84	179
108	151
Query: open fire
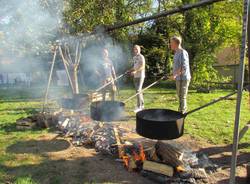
166	160
133	157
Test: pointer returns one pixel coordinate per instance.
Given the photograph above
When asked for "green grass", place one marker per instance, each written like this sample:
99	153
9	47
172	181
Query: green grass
213	124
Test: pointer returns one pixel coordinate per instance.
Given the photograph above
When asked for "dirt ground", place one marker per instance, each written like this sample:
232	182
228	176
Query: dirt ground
62	162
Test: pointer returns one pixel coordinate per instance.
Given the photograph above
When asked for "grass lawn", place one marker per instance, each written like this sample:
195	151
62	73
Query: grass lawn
213	124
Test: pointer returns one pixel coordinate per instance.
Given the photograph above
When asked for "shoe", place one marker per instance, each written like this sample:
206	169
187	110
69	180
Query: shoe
137	110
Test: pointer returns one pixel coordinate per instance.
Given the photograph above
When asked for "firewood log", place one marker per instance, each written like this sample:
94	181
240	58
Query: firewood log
169	154
158	168
151	154
118	142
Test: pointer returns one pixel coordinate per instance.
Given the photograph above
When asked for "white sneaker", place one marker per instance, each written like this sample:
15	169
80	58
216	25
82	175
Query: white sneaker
137	110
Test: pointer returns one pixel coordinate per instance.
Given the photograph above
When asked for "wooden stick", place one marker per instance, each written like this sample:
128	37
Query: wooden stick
50	77
66	69
67	51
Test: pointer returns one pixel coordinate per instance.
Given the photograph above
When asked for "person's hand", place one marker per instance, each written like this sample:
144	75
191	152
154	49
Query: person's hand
131	72
172	77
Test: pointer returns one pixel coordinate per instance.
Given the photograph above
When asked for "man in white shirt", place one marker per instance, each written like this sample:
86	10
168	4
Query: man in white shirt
138	71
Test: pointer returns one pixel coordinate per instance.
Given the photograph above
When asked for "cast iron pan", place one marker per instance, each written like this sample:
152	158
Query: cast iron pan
160	124
165	124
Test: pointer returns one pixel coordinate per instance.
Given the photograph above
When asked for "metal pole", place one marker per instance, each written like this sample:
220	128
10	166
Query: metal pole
162	14
248	42
149	86
239	95
107	84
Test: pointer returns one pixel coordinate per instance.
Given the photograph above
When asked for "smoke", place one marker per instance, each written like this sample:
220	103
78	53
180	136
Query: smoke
27	32
92	60
29	29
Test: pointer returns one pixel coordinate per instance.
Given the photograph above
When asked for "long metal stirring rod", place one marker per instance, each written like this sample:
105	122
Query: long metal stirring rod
144	89
110	82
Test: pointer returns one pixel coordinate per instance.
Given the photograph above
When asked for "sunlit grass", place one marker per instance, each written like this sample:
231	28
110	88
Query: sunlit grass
213	124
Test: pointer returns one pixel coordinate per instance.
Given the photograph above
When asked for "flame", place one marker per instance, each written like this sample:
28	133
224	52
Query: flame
138	158
126	161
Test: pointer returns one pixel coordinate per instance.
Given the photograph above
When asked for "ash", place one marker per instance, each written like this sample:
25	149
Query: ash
83	131
90	133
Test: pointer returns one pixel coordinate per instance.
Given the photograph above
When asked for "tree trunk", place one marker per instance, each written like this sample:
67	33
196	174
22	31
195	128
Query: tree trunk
74	78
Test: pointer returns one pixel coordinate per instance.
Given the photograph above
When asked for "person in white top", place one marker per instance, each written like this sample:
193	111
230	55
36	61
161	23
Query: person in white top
138	71
108	75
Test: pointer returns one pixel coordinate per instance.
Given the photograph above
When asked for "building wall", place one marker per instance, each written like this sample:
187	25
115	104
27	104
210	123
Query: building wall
231	71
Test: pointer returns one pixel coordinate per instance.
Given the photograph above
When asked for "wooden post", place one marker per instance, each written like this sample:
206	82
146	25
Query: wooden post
50	77
66	69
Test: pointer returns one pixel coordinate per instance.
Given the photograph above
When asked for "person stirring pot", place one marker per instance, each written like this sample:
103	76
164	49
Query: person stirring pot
138	72
109	75
181	72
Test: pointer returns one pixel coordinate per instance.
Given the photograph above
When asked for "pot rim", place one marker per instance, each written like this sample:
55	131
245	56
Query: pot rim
141	113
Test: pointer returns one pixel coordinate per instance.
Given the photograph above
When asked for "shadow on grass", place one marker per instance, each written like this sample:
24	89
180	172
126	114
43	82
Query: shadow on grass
220	156
238	180
69	165
7	100
12	128
27	110
38	146
166	92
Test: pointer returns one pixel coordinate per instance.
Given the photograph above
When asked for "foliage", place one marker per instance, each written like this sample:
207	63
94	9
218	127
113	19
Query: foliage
84	16
204	31
27	27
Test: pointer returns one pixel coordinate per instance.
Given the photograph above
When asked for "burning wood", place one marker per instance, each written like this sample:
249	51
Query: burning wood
163	160
134	157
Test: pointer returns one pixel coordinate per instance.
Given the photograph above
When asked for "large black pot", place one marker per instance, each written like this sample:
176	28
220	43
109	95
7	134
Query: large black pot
107	110
165	124
160	124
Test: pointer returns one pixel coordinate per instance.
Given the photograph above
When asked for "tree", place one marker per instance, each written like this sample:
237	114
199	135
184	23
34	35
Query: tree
204	31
